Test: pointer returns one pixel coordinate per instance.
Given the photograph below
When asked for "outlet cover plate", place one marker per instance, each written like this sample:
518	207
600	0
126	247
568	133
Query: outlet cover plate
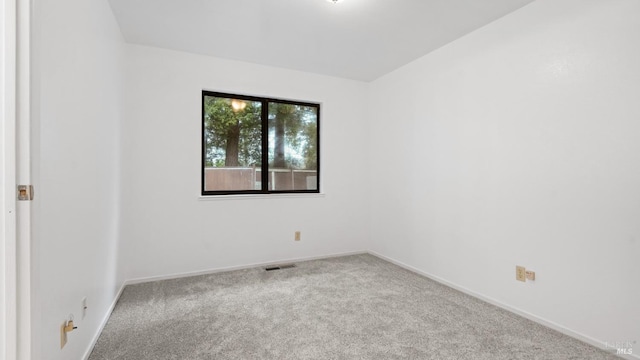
531	275
521	273
63	335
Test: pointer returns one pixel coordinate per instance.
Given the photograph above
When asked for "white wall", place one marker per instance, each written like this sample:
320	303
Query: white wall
520	144
78	82
167	229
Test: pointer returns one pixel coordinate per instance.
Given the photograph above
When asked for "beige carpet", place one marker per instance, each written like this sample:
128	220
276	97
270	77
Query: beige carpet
353	307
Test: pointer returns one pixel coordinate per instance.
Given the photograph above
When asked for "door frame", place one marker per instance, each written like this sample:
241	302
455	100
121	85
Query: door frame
8	238
15	163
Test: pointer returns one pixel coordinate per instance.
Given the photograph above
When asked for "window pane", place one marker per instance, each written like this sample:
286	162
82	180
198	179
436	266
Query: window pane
233	144
293	147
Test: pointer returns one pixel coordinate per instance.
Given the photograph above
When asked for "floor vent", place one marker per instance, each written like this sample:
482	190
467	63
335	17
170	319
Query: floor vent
280	267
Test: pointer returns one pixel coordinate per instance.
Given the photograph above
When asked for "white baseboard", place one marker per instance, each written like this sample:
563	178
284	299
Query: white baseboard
550	324
239	267
103	323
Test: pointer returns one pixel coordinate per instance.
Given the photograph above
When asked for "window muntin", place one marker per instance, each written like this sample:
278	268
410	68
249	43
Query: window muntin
259	145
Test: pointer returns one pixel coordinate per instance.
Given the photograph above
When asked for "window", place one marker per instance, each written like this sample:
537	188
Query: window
253	145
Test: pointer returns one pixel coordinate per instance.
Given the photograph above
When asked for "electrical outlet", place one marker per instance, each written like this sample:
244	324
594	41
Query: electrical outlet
530	275
297	237
83	307
521	273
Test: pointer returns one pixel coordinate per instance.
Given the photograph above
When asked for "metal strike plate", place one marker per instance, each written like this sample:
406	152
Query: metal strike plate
25	192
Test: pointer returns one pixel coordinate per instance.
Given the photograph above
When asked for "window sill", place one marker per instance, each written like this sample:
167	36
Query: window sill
260	196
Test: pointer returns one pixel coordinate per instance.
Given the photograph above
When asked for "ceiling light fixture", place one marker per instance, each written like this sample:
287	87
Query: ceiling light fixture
334	1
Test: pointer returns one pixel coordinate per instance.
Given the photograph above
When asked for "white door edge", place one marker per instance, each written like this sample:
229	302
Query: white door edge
15	236
8	238
23	176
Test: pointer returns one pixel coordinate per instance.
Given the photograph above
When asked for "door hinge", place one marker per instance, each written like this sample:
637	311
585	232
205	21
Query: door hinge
25	192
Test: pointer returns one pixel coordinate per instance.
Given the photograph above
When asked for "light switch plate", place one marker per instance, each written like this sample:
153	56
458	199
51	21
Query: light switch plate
83	306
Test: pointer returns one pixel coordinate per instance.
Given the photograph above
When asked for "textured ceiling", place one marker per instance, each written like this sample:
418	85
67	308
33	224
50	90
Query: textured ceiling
355	39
